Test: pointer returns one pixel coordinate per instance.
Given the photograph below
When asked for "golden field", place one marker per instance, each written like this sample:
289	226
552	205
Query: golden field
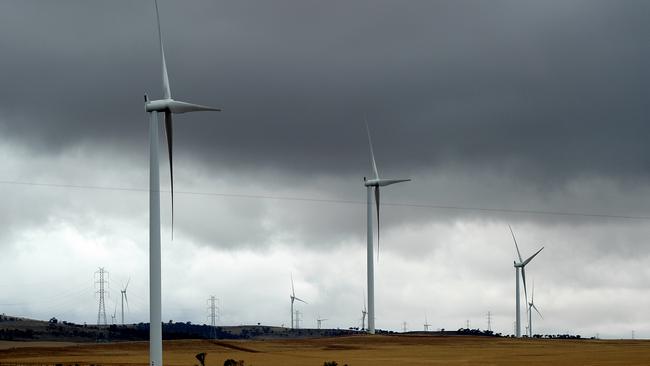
354	351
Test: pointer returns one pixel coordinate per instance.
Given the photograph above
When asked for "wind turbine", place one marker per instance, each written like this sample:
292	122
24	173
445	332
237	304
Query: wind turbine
426	323
168	106
364	312
520	266
370	184
531	306
319	320
114	314
124	298
293	298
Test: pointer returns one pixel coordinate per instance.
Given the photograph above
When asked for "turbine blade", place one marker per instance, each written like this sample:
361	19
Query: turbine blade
531	257
127	284
293	292
168	133
364	301
532	296
387	182
377	203
165	79
523	276
372	153
516	246
300	300
177	107
126	299
537	310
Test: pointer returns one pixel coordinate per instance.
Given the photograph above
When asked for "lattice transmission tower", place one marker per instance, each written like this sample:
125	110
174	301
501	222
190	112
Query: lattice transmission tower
213	313
101	282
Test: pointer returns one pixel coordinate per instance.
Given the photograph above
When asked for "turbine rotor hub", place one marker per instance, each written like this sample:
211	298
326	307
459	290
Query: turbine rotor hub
160	105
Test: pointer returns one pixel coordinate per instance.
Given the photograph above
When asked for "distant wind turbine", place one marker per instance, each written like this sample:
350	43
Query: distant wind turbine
373	183
520	266
319	321
531	306
426	323
124	298
114	314
364	312
293	298
168	106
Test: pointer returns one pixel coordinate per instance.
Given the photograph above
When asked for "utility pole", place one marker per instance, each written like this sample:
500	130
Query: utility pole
101	281
489	318
213	314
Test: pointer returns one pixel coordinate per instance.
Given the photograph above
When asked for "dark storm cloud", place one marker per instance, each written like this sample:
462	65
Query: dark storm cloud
552	90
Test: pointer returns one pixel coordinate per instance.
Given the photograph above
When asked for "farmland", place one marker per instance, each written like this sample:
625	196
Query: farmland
352	350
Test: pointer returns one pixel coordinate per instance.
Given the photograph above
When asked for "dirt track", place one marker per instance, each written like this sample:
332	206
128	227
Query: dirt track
354	351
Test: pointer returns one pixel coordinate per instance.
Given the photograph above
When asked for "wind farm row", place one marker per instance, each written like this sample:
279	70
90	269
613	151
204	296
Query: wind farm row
167	106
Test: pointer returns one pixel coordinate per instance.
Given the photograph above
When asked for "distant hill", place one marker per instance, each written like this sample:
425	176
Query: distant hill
19	329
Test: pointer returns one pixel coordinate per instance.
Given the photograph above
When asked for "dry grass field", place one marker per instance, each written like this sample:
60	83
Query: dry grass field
354	351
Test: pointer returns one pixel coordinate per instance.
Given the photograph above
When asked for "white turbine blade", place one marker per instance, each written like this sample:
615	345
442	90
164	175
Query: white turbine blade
387	182
537	310
293	292
183	107
377	203
523	276
167	94
301	300
532	296
531	257
364	302
372	153
170	140
126	299
516	246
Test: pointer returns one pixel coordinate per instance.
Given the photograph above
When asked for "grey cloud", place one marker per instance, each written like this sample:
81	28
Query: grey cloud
557	89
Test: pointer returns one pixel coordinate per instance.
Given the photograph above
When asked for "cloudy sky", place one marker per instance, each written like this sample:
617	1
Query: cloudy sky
529	109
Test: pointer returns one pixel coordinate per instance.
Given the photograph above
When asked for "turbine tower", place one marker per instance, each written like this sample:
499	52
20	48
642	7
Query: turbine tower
293	298
531	306
124	298
370	184
168	106
520	267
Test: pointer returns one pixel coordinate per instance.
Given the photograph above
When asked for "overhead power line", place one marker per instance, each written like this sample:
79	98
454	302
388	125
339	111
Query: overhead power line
340	201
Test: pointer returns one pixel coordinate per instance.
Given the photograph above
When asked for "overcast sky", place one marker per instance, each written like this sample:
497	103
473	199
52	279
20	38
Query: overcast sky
519	105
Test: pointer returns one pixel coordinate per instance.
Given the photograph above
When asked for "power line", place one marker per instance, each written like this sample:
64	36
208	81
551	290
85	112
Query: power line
341	201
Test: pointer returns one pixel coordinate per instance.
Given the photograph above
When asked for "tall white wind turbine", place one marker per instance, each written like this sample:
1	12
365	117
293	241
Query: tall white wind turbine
168	106
293	298
531	306
520	266
124	298
370	184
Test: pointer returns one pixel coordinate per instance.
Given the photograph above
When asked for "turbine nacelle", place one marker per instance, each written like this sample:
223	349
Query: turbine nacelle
175	106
